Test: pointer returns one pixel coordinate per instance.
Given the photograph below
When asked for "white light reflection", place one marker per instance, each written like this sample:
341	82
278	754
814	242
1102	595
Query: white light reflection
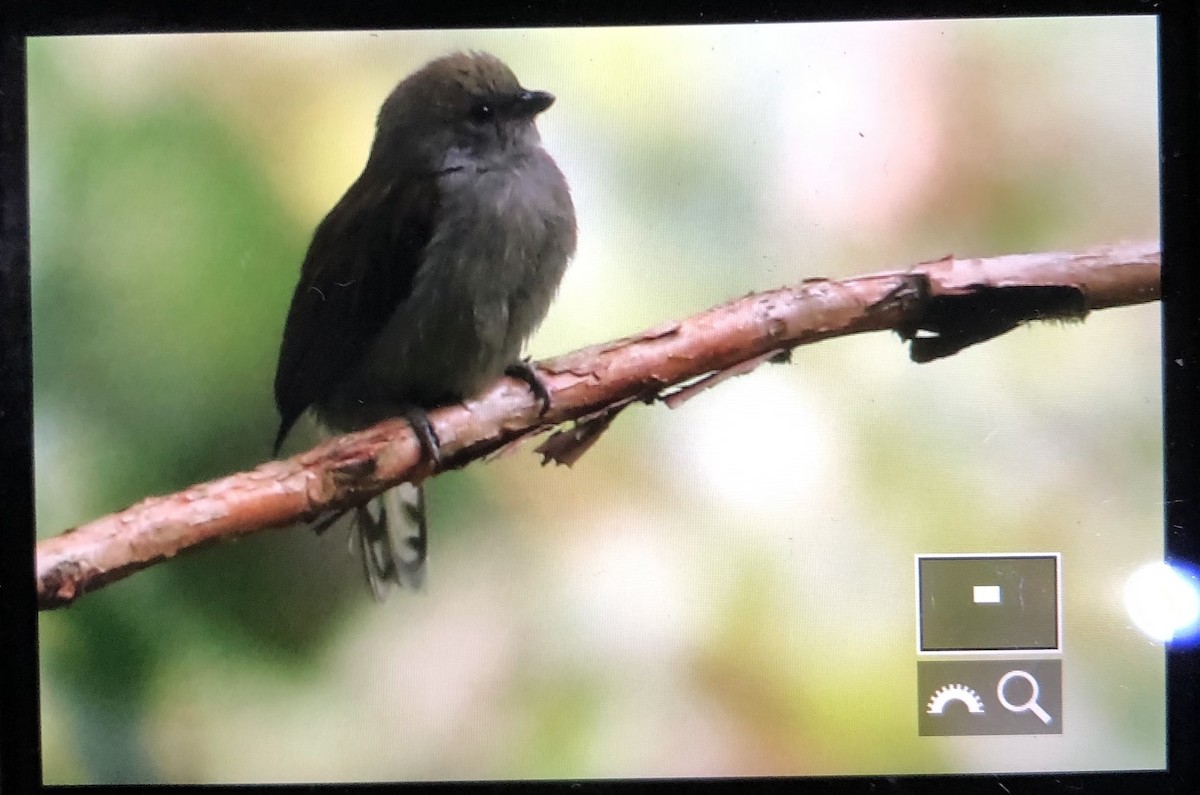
1163	602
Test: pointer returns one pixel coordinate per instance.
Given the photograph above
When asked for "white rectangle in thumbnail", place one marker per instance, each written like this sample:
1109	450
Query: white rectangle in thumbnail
987	594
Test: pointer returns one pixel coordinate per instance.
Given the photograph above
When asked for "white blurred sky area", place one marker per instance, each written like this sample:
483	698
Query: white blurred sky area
724	589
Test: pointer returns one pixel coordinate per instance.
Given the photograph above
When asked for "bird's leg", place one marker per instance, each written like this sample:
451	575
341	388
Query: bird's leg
423	428
524	371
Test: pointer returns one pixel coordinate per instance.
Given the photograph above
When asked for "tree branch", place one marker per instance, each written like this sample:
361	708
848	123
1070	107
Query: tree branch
940	307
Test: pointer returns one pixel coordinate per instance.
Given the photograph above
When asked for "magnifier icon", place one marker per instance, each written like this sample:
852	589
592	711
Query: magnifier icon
1032	704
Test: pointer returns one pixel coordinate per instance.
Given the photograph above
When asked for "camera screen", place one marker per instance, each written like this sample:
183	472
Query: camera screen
843	564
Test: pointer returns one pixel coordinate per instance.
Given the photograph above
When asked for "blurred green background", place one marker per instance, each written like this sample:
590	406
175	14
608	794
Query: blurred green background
726	589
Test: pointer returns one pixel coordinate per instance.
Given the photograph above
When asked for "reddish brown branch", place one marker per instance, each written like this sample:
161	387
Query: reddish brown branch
958	301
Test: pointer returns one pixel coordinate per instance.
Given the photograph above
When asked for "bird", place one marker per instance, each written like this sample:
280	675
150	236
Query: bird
425	280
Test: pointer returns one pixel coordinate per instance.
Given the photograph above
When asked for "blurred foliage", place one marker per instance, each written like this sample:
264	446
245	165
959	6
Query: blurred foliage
723	589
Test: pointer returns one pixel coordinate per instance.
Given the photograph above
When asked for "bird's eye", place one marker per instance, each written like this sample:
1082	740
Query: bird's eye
483	112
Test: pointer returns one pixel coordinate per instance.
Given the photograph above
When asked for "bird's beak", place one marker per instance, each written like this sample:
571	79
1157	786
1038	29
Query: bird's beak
528	104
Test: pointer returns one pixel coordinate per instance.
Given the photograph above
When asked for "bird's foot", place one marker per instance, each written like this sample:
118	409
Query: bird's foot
423	428
524	371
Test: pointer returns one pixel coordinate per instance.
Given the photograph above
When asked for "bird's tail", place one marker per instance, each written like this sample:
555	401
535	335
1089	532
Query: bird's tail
390	533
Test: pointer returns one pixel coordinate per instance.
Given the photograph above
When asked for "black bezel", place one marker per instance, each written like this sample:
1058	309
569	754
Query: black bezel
20	763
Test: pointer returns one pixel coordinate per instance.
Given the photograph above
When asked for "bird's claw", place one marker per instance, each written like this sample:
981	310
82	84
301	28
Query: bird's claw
524	371
426	436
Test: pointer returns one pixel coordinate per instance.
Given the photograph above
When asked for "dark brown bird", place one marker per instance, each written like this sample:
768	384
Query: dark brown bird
424	281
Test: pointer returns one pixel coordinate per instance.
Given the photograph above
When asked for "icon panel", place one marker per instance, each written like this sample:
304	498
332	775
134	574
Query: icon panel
999	617
975	697
988	603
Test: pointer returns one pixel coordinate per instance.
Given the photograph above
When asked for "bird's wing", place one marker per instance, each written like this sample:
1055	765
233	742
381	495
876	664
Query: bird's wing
359	266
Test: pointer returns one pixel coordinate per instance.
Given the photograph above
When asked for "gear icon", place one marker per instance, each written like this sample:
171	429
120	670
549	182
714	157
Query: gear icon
961	693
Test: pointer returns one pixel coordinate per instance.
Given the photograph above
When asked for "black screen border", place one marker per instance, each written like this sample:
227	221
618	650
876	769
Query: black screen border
20	752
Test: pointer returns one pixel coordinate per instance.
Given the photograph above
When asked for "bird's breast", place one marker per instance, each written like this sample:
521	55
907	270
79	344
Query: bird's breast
500	244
